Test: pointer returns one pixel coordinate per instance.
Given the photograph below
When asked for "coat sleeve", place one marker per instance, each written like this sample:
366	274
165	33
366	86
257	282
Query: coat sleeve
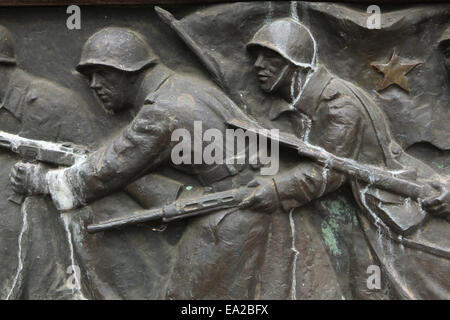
308	180
142	145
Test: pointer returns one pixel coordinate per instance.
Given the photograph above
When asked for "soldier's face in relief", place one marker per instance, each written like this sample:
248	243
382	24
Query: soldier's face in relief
109	85
271	69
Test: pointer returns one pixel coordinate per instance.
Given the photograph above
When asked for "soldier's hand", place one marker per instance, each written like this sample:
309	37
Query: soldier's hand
438	205
264	197
28	179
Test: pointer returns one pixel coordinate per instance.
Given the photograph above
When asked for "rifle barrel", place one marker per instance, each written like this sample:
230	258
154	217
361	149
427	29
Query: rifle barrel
145	216
180	209
39	150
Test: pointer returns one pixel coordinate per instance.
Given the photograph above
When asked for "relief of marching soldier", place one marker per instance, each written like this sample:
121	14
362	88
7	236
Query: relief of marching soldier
130	76
342	119
33	108
224	226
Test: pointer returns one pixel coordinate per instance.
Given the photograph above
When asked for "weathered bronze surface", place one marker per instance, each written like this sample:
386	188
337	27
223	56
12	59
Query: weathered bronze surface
97	204
395	72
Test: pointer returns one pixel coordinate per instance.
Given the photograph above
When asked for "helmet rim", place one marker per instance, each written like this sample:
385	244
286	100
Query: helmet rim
287	46
84	67
119	48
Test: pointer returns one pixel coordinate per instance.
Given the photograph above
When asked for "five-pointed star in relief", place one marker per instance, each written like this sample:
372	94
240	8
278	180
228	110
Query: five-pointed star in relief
395	72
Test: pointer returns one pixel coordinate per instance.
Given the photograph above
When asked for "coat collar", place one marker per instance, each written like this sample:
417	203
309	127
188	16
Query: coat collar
310	96
152	81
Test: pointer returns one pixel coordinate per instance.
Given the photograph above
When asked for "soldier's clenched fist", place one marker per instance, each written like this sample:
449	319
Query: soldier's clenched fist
264	198
439	205
29	179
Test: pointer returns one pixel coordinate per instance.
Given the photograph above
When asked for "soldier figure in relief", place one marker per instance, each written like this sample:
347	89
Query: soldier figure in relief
226	252
341	118
126	75
34	108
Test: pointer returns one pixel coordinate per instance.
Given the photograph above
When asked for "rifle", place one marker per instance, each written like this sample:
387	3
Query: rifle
390	181
31	150
386	180
38	150
180	209
210	64
208	61
58	154
383	179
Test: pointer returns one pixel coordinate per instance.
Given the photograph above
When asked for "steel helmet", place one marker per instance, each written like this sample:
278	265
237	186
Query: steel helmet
290	39
7	51
119	48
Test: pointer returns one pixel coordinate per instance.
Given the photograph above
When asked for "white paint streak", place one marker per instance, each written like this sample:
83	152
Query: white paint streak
307	131
282	74
68	154
269	16
377	221
66	221
325	172
302	87
387	260
296	253
60	190
293	80
19	255
294	13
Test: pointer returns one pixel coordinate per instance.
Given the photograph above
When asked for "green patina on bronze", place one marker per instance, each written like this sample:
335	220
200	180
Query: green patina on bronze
340	214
